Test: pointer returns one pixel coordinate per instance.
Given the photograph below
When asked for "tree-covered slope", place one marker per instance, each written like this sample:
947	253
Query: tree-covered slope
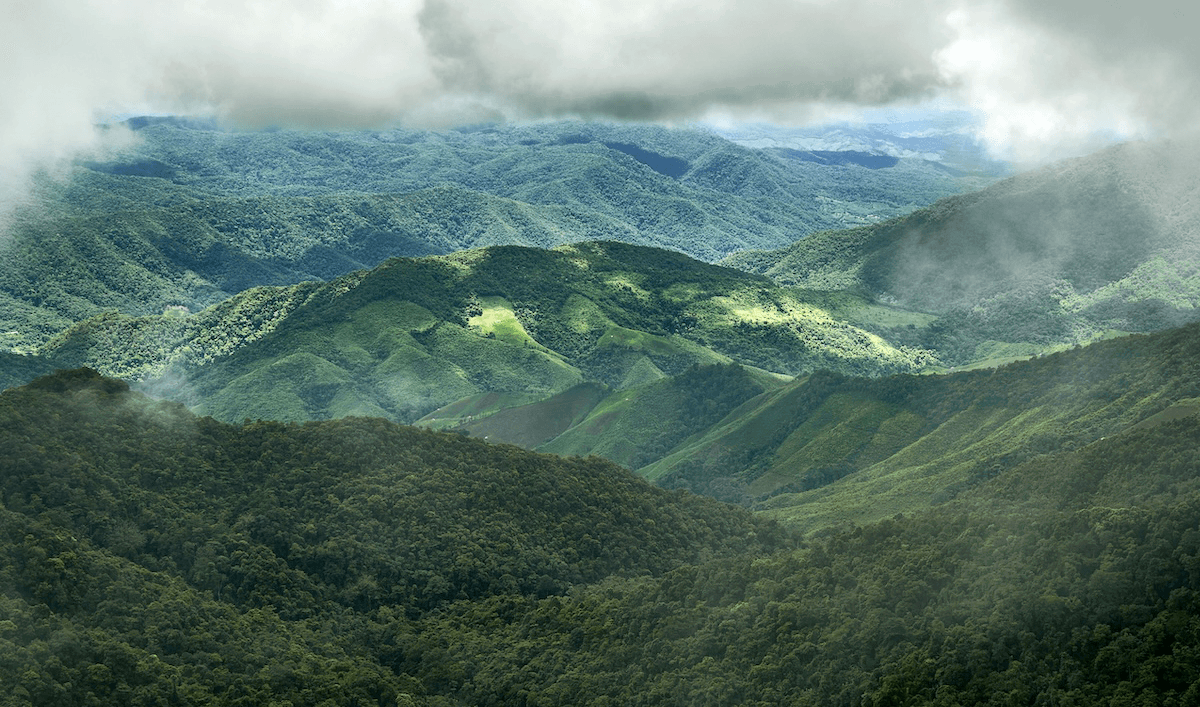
146	549
18	369
201	252
1107	241
829	448
1070	580
597	166
148	556
411	336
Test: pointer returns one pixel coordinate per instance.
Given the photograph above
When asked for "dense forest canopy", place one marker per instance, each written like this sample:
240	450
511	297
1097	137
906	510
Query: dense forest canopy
152	556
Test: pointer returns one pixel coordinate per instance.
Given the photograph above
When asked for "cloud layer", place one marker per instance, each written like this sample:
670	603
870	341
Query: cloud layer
1050	78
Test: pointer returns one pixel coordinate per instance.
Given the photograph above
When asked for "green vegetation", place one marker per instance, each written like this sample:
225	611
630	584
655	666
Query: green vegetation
636	426
16	369
192	215
1023	535
829	449
412	336
1066	254
156	555
149	556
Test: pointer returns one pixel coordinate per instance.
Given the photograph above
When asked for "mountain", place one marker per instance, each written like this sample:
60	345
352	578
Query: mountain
1071	579
191	215
828	449
18	369
150	555
1107	242
198	253
168	552
632	425
944	138
413	335
613	168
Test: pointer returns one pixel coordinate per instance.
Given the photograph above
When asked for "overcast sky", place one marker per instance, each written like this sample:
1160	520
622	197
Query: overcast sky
1049	78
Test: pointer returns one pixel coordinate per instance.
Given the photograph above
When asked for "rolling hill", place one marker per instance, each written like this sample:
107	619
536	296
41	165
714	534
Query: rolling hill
413	335
828	449
150	555
193	214
172	552
1063	254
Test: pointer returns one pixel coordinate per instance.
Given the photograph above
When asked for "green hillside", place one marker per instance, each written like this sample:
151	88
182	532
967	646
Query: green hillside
627	169
16	369
633	425
411	336
191	214
199	253
830	449
149	556
1070	580
165	551
636	426
1063	254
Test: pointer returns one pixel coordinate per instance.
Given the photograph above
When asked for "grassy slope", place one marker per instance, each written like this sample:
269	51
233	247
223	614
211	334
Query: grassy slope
635	426
1064	254
632	426
413	335
828	449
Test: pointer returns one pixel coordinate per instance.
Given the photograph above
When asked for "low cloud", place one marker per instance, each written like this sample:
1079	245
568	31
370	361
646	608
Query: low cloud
1049	78
1054	79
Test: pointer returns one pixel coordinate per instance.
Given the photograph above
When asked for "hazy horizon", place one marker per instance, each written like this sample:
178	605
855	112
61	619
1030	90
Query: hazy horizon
1047	80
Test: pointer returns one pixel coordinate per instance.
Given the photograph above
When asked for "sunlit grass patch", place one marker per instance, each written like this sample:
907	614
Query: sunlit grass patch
626	283
498	320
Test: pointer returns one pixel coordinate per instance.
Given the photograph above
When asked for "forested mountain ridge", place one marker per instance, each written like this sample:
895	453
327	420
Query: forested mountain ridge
1109	241
143	533
191	214
540	163
149	555
413	335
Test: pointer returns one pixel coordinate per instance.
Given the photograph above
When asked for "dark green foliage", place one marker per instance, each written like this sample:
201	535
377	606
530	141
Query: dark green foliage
982	604
148	557
133	526
16	369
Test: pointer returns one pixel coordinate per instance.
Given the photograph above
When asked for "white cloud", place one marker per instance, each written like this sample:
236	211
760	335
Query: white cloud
1057	79
1050	77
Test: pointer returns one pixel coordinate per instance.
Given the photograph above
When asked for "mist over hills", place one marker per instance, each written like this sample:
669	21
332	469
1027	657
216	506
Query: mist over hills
1010	535
1065	253
190	214
947	138
582	349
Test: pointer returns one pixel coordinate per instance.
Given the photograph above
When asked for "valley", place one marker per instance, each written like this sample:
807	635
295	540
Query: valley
517	414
